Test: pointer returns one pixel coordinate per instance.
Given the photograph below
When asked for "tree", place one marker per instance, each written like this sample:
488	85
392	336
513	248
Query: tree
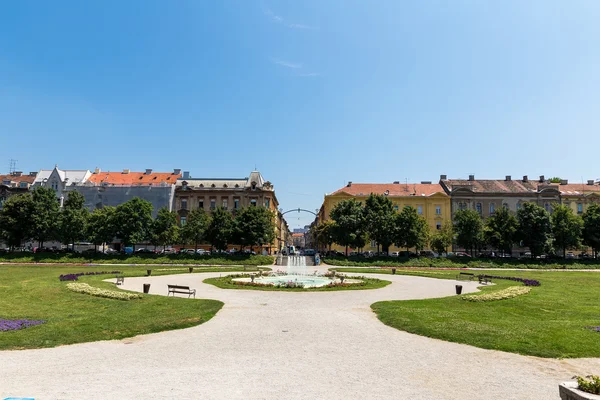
101	227
411	229
379	217
44	215
500	230
556	179
194	229
442	239
165	230
15	219
220	229
349	230
534	228
591	228
324	233
468	226
134	221
73	219
566	228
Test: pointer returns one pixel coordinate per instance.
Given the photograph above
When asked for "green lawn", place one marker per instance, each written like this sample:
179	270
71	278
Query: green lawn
225	282
548	322
35	292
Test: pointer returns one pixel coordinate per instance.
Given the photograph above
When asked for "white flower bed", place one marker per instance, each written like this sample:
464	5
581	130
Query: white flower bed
503	294
109	294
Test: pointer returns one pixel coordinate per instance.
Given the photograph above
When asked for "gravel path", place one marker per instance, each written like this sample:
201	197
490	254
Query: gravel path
277	345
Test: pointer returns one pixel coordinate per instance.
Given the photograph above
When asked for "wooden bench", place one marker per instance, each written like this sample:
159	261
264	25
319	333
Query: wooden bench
484	279
181	289
467	276
120	280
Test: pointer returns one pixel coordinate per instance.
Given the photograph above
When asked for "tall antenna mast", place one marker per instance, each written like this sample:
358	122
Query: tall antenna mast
12	166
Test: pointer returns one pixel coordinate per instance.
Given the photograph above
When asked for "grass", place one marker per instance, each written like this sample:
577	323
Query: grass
57	258
550	321
462	262
225	282
34	292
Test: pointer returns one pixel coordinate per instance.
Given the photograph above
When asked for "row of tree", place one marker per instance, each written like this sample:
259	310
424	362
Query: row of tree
38	216
352	225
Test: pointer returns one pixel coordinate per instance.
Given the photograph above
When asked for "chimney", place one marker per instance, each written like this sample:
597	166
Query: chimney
508	178
443	177
349	184
126	171
425	182
176	171
471	177
564	182
148	171
186	174
525	179
17	173
590	182
97	170
542	180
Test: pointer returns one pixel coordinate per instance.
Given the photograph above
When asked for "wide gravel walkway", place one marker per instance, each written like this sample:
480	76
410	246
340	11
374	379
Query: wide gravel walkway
277	345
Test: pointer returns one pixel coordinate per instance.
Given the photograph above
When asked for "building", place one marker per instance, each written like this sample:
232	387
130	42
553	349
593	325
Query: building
15	183
61	180
298	240
114	188
231	194
486	195
429	199
578	196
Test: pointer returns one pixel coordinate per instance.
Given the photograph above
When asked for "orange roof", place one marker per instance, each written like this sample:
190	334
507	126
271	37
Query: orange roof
393	189
578	189
17	178
297	234
134	178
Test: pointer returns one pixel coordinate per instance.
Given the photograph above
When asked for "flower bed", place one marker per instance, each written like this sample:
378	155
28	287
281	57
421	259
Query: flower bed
589	385
16	324
526	282
503	294
109	294
74	277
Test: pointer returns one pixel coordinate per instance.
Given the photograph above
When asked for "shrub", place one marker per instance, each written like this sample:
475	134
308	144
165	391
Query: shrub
503	294
16	324
526	282
589	385
109	294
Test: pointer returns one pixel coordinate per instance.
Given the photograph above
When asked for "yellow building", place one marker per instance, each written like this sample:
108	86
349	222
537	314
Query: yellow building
578	196
429	199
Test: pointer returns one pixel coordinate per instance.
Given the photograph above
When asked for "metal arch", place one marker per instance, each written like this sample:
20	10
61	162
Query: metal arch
298	210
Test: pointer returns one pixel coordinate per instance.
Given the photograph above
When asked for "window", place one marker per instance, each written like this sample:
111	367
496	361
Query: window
201	204
438	226
478	208
253	202
54	185
579	208
183	220
518	206
547	207
396	208
462	206
184	204
420	210
373	243
492	208
438	210
225	204
213	204
23	184
236	204
267	203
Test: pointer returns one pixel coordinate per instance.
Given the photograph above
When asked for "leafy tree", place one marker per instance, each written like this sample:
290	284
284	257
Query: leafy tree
44	215
379	217
324	233
500	230
220	229
349	224
101	225
411	229
254	226
194	230
591	227
442	239
556	179
165	230
134	221
15	219
468	226
73	219
566	228
534	229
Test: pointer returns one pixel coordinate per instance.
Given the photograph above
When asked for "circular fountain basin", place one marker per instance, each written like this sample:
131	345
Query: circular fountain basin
306	281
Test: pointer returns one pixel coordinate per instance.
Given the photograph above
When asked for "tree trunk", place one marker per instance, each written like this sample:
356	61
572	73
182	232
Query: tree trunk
346	250
195	246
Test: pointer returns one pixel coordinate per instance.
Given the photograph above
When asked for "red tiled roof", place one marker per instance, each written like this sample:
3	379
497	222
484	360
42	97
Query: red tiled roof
134	178
14	178
394	189
297	234
577	189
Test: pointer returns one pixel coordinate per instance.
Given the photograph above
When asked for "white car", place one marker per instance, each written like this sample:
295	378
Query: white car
395	254
201	252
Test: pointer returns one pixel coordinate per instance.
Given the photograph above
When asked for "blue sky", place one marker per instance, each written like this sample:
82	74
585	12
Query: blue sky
315	93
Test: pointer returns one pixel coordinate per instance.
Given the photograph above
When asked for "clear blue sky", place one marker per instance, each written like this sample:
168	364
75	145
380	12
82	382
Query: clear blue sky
315	93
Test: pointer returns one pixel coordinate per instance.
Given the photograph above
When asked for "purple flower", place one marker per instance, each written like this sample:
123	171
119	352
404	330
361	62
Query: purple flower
526	282
74	277
16	324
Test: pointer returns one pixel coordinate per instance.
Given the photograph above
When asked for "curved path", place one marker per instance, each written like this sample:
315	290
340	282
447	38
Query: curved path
283	345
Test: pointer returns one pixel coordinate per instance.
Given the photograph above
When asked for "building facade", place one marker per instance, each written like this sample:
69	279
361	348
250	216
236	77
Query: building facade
61	180
429	199
579	196
15	183
231	194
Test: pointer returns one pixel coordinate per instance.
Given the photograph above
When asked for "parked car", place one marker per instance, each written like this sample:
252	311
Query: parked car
395	254
570	256
168	251
428	253
459	254
144	251
202	252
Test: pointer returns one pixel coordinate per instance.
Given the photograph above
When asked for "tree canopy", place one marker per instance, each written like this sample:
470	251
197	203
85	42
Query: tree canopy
468	226
591	227
133	220
535	228
349	229
566	228
379	219
500	230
